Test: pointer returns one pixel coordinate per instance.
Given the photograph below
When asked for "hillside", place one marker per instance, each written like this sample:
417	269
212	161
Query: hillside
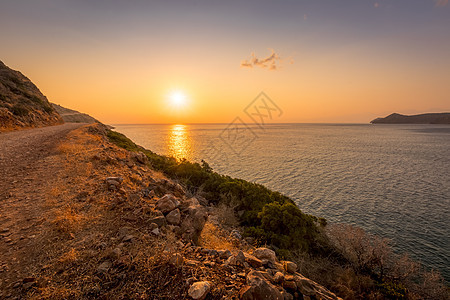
73	116
22	104
430	118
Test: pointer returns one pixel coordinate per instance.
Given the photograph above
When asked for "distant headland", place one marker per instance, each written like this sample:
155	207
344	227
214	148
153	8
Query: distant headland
429	118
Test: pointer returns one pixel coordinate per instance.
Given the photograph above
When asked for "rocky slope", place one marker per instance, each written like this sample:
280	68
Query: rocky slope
431	118
22	105
115	228
73	116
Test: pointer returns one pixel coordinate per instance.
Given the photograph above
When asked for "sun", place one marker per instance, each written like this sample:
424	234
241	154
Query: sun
177	99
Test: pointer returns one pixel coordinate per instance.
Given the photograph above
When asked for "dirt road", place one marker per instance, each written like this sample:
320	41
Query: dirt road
29	163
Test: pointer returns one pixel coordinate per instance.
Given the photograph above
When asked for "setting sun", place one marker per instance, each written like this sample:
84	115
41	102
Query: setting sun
177	99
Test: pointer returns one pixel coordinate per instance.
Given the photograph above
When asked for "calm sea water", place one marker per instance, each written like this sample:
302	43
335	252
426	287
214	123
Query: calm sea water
392	180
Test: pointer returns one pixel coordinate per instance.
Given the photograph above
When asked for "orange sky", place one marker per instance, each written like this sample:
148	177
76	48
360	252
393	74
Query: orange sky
120	64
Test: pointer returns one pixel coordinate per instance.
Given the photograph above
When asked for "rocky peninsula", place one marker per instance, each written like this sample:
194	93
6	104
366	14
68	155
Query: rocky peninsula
430	118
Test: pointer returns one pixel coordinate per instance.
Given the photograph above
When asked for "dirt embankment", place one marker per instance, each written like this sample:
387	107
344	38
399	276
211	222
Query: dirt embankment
83	219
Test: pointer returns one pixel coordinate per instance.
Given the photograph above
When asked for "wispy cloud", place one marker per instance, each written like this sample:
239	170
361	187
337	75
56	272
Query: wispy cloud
270	62
441	3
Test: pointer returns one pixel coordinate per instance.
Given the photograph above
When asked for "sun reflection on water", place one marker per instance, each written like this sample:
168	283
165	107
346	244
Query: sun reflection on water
179	142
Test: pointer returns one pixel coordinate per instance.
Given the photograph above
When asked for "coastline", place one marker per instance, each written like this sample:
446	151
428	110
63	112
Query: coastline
121	220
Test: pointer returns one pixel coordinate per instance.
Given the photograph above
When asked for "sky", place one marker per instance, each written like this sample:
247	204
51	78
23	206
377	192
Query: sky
136	61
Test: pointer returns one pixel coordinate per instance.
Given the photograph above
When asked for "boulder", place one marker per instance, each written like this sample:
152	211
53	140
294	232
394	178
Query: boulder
278	277
312	289
290	267
193	224
140	157
257	288
167	203
174	217
253	261
264	253
199	290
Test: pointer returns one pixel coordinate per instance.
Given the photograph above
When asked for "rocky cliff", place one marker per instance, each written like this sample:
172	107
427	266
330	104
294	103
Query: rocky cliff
430	118
73	116
22	104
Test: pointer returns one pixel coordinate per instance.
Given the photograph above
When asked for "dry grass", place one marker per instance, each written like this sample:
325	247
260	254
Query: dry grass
212	237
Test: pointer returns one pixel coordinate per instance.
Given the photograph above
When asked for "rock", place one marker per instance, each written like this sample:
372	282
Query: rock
224	254
289	266
258	288
156	231
290	285
264	253
194	222
312	289
140	157
253	261
167	203
231	261
278	277
152	226
176	260
114	180
236	234
174	217
160	221
128	238
104	267
199	290
240	258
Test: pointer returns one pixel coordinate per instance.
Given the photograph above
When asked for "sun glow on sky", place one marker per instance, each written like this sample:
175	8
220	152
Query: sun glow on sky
184	62
177	99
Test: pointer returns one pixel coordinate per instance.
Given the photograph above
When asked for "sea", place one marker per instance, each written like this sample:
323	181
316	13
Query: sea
390	180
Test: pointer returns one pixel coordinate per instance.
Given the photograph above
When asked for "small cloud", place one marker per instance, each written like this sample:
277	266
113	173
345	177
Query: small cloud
270	62
305	17
441	3
376	4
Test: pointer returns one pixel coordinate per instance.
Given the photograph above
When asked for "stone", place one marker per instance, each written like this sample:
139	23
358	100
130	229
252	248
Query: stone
176	260
253	261
290	285
224	254
278	277
128	238
290	267
193	224
264	253
140	157
236	234
160	221
156	231
174	217
258	288
152	226
199	290
240	258
167	203
104	267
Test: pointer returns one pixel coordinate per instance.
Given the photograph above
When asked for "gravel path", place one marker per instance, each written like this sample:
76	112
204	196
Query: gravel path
29	163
